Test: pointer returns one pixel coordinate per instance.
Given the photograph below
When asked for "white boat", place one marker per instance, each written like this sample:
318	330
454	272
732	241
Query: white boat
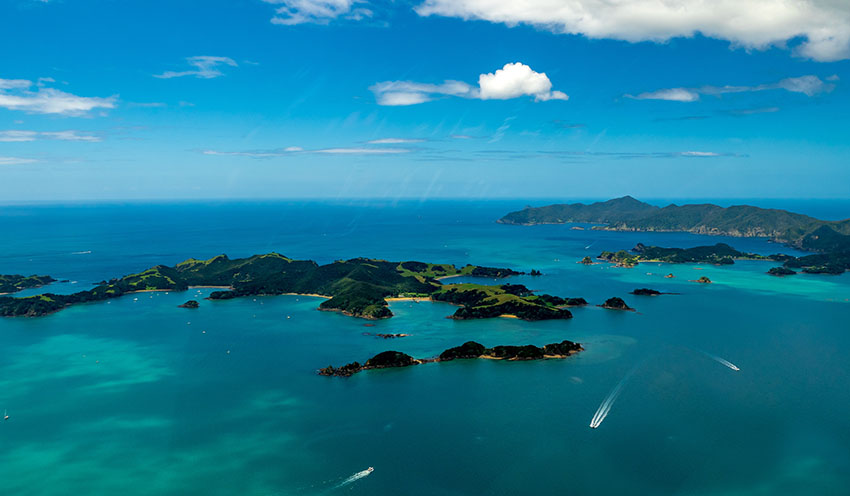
5	415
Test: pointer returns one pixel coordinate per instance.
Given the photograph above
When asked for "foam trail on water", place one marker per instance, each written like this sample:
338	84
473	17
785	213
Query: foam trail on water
355	477
608	402
722	361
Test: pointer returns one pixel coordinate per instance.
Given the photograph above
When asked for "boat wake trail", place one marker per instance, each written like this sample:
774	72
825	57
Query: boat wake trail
722	361
606	405
355	477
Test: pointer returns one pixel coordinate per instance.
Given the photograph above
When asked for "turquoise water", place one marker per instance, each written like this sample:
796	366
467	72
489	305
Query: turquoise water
137	396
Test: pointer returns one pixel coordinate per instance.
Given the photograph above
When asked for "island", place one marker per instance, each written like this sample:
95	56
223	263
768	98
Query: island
646	292
781	271
357	287
616	303
703	280
468	350
514	300
12	283
190	304
718	254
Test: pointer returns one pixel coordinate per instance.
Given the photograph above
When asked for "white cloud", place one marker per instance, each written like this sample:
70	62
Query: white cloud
18	94
672	94
700	154
807	85
16	160
410	93
13	135
515	80
511	81
206	67
753	24
295	150
393	141
293	12
362	151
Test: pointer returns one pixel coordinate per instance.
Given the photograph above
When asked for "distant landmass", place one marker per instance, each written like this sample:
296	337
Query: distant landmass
629	214
358	287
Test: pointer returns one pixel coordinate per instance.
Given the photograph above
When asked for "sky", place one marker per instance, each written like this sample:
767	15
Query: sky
477	99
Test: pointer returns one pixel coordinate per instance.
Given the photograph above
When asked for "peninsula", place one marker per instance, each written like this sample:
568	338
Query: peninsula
358	287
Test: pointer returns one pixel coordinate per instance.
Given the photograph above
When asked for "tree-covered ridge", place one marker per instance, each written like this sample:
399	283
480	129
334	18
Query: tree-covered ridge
468	350
628	214
10	283
357	287
480	301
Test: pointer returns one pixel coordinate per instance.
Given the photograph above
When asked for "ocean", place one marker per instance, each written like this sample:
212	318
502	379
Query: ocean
136	397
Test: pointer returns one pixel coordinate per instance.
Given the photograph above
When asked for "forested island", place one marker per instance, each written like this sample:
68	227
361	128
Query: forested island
719	254
723	254
358	287
11	283
468	350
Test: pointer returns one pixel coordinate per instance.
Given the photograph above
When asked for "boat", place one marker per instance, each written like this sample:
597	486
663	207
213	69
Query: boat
5	415
370	469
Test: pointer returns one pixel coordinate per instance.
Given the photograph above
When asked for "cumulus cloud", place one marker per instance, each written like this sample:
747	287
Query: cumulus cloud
14	135
824	25
515	80
206	67
293	12
807	85
16	160
511	81
22	94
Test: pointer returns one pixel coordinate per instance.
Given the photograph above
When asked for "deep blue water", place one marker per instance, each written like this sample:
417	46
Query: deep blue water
137	396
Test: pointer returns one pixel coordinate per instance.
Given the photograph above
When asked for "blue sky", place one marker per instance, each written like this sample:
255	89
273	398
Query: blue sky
105	99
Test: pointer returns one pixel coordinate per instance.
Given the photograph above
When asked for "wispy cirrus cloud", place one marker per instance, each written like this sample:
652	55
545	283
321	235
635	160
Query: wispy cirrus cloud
291	12
807	85
205	67
16	160
511	81
15	135
36	98
394	141
297	150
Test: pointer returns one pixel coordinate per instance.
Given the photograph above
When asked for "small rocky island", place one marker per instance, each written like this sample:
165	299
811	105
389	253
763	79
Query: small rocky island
468	350
646	292
781	271
190	304
616	303
12	283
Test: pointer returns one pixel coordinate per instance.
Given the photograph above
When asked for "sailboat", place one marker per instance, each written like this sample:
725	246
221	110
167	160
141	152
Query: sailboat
5	415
